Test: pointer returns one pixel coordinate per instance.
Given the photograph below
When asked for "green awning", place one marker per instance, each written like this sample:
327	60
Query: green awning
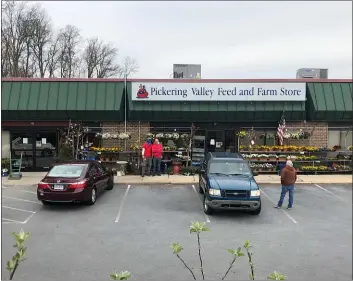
214	111
330	101
57	100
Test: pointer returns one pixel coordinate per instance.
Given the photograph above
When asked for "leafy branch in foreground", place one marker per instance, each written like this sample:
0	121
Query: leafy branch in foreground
235	253
177	248
276	276
198	227
247	247
20	238
124	275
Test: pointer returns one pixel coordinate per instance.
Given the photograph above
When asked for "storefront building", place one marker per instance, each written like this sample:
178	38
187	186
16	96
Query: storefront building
35	110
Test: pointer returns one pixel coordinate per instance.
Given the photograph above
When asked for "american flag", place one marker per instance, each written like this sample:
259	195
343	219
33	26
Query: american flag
281	129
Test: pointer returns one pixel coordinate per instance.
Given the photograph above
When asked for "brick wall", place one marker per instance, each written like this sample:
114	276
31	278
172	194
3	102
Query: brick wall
137	130
318	130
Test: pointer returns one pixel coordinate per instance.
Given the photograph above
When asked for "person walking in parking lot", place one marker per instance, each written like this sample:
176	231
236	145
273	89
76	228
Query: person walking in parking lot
157	151
147	157
288	179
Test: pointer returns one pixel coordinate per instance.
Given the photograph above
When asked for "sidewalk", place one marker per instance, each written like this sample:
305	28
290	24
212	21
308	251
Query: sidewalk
33	178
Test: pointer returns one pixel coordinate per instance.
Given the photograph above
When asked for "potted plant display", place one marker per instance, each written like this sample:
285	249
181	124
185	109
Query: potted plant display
282	158
272	157
263	157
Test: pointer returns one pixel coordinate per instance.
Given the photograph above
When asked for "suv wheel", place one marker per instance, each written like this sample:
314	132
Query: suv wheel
257	211
206	209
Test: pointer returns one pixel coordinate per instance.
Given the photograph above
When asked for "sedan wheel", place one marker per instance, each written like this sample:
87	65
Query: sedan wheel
110	184
93	197
207	209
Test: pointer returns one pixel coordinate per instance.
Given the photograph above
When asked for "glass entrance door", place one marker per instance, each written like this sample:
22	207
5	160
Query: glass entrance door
23	142
215	141
230	141
45	149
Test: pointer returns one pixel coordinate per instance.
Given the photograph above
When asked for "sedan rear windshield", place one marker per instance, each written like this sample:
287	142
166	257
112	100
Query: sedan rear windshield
230	168
67	171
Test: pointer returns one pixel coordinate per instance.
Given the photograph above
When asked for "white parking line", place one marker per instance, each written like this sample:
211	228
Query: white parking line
198	198
274	203
324	189
14	198
32	192
122	204
28	218
6	207
13	221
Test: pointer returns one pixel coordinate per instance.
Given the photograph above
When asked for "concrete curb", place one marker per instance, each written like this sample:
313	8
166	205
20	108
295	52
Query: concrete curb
196	182
183	183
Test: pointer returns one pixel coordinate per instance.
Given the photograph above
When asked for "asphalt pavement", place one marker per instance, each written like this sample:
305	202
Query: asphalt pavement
131	228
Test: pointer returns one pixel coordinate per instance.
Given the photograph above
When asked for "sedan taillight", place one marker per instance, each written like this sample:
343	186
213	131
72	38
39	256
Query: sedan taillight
43	185
80	184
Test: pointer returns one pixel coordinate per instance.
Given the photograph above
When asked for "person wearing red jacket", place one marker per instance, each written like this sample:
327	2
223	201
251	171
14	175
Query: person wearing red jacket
147	157
157	152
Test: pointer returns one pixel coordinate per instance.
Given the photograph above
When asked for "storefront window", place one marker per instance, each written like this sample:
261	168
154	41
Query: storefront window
46	149
340	137
38	149
22	144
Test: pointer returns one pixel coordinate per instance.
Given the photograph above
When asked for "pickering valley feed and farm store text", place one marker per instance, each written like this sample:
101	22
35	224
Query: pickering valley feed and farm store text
224	92
203	91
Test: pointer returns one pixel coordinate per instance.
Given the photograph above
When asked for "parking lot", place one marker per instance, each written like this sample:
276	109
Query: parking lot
131	228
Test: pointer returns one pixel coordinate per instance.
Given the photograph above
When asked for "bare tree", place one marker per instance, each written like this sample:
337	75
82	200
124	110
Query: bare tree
28	60
129	66
107	66
41	39
69	39
15	36
29	48
91	55
100	59
52	57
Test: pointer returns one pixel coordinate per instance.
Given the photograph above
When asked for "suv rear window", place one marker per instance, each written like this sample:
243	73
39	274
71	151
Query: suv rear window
67	171
229	168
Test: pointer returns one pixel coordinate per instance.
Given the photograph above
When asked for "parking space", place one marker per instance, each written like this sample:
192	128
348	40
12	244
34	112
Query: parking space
19	204
131	228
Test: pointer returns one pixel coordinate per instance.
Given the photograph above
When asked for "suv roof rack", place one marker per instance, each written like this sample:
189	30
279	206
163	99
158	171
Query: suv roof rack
233	155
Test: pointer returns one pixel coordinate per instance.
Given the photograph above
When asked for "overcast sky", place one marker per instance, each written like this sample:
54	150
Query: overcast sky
229	39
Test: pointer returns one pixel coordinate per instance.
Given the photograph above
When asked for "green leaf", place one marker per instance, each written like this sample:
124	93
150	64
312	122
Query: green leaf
10	265
198	227
233	252
239	252
177	248
124	275
276	276
247	244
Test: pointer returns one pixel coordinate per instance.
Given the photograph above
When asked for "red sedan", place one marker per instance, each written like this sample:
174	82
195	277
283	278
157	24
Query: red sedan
80	181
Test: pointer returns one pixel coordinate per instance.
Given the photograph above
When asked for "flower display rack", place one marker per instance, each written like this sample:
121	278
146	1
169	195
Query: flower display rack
306	160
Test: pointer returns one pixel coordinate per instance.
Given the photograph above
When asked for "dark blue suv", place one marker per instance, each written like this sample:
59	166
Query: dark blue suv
228	183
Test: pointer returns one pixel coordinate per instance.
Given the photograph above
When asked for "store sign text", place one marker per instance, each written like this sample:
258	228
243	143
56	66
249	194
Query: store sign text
219	91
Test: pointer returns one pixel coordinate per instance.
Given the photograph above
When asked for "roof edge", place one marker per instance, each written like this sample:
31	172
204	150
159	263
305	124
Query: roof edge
20	79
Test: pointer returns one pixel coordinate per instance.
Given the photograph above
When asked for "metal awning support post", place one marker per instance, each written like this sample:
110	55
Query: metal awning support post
345	137
125	107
